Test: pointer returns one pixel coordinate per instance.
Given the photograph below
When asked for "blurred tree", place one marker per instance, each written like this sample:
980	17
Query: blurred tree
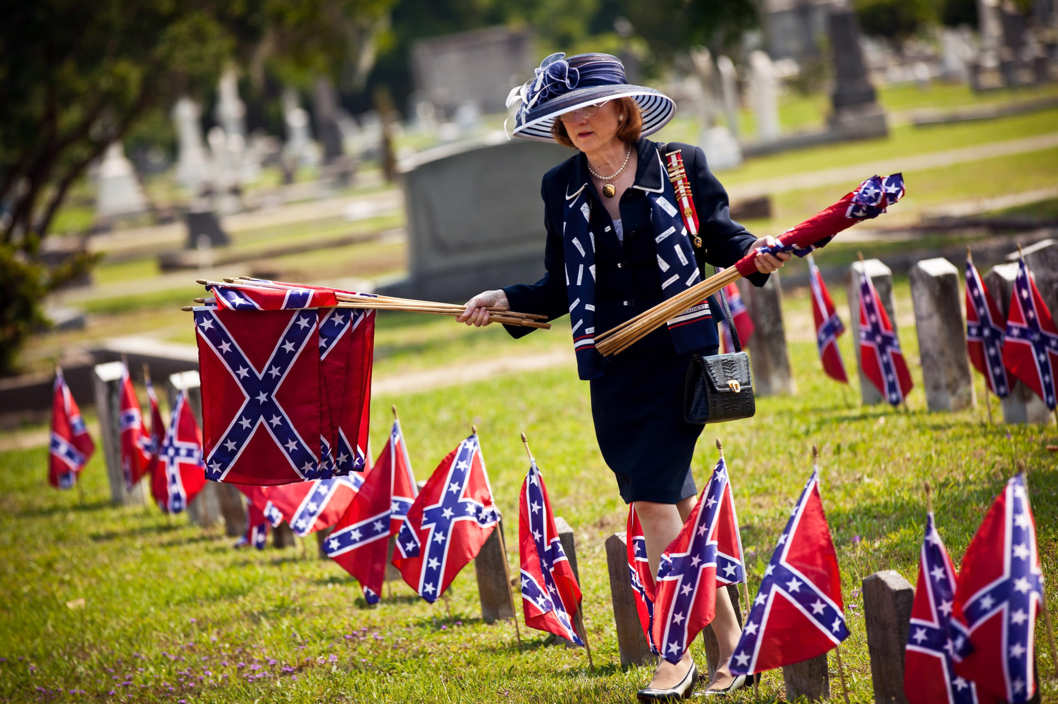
954	13
895	20
78	76
671	27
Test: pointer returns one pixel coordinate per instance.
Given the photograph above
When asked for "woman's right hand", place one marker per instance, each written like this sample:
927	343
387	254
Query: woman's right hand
476	310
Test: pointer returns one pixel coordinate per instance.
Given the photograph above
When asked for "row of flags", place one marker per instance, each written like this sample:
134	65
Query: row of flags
1024	346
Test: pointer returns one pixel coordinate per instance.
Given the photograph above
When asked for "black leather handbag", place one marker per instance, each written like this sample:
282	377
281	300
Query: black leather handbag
719	387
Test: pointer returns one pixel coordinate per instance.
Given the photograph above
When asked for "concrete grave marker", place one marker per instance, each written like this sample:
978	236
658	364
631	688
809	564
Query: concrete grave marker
107	382
882	278
768	353
490	568
941	331
764	95
809	679
887	600
631	643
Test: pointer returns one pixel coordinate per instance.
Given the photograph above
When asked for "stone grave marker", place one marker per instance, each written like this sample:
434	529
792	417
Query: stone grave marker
107	383
856	110
490	568
204	230
887	599
729	91
566	537
119	191
1021	405
224	499
325	108
631	643
768	353
1042	260
941	332
882	278
192	167
764	95
809	679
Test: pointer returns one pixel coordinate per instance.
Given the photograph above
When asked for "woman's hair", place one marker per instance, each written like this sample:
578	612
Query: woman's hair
627	130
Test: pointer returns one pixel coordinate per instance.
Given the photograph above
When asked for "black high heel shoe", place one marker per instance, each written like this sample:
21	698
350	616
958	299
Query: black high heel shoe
680	690
738	682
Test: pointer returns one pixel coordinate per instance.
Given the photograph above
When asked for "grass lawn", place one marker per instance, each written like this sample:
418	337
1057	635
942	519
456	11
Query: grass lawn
126	605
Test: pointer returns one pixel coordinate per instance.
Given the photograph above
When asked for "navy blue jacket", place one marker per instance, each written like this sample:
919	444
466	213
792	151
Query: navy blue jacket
627	278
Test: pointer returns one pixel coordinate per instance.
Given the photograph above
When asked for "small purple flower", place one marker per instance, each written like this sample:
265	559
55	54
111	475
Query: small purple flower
856	540
193	620
332	658
272	661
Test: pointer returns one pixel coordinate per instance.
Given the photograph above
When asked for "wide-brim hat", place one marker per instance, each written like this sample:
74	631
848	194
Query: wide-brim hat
562	85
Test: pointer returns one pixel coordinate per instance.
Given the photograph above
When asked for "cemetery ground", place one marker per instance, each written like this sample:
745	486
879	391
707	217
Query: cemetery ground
124	604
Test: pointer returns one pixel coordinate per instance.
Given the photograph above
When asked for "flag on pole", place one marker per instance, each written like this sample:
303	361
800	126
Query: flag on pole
70	445
739	315
448	522
311	506
985	327
135	452
346	344
798	612
156	434
929	673
257	529
1030	351
828	325
550	593
359	543
178	474
881	360
640	576
998	597
246	296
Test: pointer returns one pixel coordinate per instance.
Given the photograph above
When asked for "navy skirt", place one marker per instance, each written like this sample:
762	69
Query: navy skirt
637	407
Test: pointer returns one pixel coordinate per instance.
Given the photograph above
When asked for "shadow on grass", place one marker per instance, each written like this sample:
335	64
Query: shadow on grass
453	620
46	511
153	529
200	538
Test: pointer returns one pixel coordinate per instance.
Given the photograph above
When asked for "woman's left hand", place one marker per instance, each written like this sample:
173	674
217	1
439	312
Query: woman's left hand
767	263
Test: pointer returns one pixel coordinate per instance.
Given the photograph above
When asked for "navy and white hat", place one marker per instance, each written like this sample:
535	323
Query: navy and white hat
562	85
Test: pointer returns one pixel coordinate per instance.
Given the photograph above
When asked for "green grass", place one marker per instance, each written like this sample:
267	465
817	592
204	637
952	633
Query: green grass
169	605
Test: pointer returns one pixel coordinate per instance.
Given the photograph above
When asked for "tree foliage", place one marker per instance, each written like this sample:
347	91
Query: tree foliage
79	76
895	20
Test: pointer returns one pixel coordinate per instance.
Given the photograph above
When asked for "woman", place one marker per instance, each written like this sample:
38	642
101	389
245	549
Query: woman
615	245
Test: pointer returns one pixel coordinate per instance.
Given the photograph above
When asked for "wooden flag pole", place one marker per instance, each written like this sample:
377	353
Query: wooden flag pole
578	617
507	579
1043	600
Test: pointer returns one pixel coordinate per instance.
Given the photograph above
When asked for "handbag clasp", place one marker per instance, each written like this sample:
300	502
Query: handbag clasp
734	385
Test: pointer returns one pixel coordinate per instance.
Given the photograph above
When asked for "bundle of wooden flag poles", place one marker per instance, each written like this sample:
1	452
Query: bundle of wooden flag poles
868	200
248	293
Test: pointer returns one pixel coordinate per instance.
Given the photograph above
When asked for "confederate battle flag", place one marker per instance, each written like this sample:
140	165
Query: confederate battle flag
1030	351
135	443
999	594
739	315
178	475
984	332
640	576
448	522
550	593
828	325
880	357
70	445
798	612
156	434
311	506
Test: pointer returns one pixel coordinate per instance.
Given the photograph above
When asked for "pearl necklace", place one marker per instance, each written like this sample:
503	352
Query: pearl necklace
608	189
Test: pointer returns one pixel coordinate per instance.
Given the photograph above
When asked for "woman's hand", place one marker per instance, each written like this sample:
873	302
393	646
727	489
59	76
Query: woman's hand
767	263
476	310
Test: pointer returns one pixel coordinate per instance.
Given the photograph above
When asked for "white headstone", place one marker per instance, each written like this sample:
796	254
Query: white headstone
299	149
119	192
764	95
729	90
192	165
721	148
956	54
231	111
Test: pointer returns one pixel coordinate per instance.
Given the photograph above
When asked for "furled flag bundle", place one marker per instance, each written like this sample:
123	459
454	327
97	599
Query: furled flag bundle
739	316
929	672
999	594
70	445
550	593
707	552
1030	351
828	325
448	522
286	383
798	612
178	474
135	442
360	540
881	360
985	326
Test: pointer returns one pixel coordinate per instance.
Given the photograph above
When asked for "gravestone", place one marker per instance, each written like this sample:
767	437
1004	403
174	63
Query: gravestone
490	568
707	103
764	95
565	536
887	600
1021	405
107	383
192	167
768	354
204	230
119	191
956	54
283	536
856	110
299	149
223	500
729	91
1042	260
984	71
941	334
631	643
479	67
325	108
475	219
809	679
882	278
722	150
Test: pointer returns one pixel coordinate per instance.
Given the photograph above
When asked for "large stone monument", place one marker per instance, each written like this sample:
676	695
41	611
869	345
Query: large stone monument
475	219
941	335
855	108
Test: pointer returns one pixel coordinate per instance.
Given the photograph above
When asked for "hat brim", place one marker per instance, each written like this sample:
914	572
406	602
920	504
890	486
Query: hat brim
656	108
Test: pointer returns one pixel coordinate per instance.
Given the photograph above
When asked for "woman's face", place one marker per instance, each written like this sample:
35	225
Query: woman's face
593	126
